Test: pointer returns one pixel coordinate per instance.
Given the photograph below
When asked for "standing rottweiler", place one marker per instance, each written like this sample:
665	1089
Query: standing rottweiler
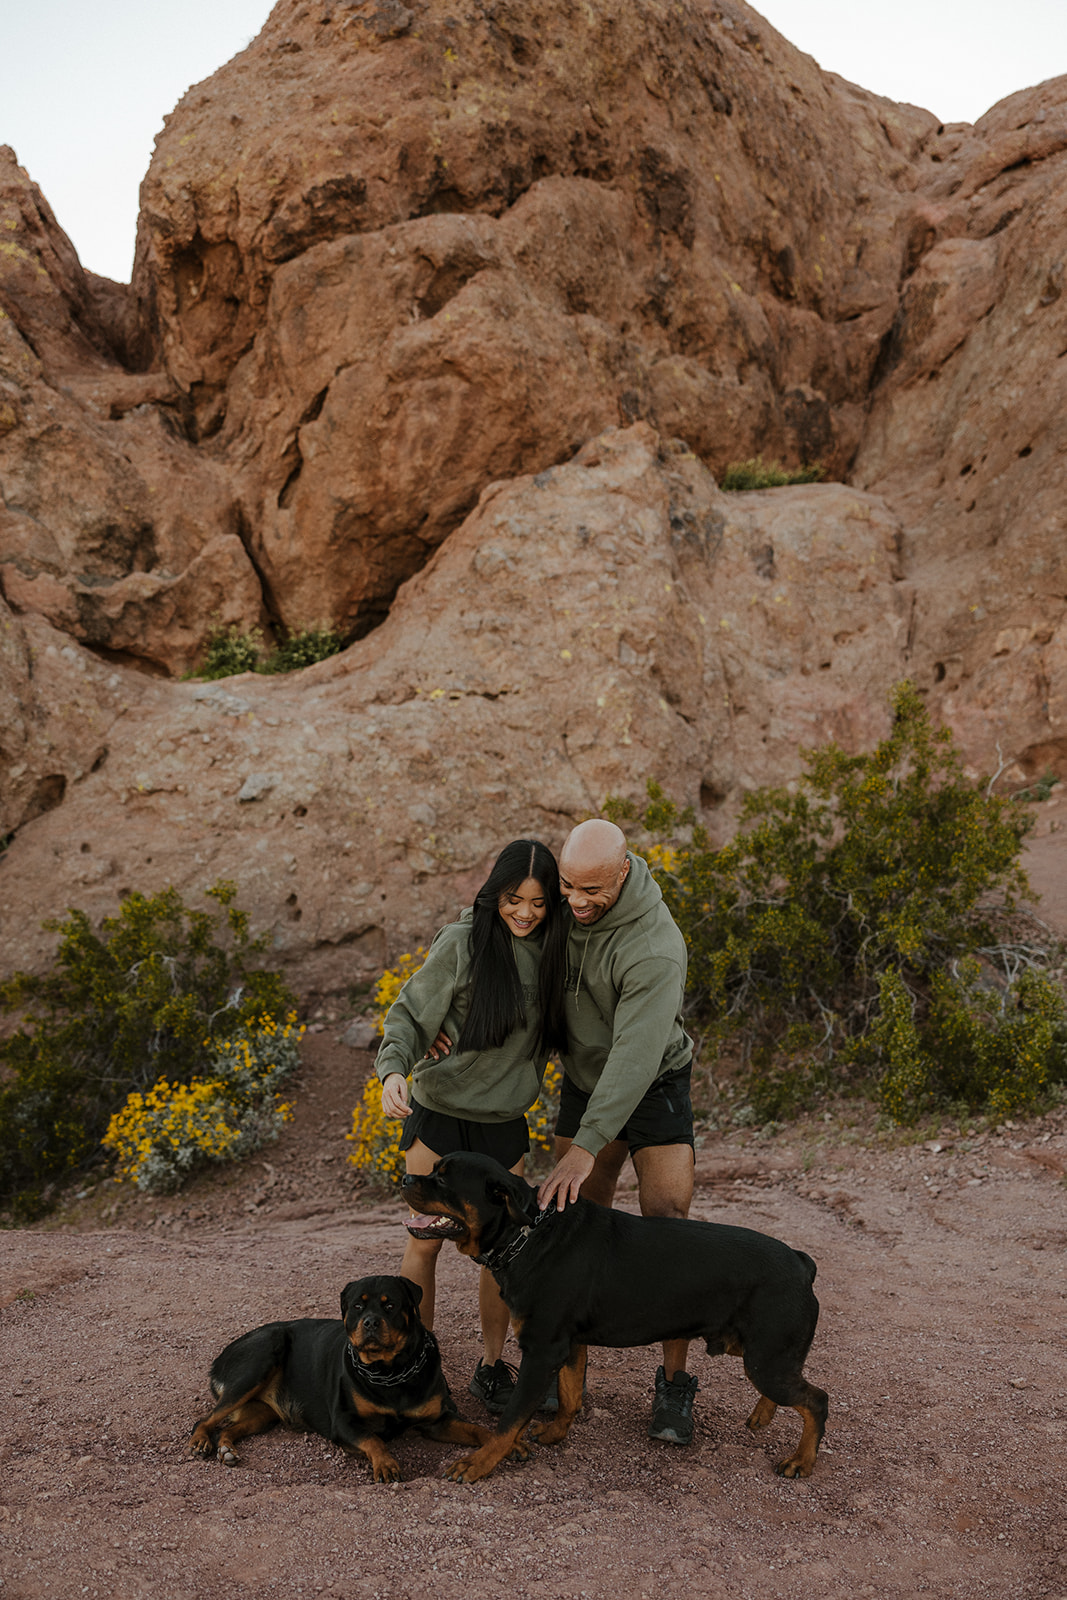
590	1275
359	1381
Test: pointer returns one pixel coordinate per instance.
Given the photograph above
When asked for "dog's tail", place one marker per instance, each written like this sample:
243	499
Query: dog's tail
807	1263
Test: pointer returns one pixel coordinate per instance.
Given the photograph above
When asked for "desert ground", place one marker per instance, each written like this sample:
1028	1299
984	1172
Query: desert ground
941	1343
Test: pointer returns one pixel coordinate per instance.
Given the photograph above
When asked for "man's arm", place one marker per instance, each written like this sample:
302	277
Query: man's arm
645	1018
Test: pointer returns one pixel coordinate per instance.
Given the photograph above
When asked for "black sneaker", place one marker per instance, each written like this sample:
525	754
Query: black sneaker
493	1386
672	1409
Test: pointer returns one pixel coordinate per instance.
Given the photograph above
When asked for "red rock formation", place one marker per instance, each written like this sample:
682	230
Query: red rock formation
602	621
402	269
394	253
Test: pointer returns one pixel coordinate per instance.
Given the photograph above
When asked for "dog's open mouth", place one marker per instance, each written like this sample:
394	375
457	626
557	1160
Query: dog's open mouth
422	1227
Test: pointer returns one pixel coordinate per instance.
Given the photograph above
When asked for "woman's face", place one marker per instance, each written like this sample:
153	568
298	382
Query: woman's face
524	907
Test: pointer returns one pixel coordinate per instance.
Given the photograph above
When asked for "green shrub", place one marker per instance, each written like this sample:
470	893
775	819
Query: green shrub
145	998
303	649
229	651
827	933
759	474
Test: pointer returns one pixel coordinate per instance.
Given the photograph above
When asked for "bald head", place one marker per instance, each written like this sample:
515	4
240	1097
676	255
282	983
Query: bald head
593	867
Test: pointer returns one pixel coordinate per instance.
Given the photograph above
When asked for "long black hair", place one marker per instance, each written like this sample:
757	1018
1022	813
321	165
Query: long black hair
497	1005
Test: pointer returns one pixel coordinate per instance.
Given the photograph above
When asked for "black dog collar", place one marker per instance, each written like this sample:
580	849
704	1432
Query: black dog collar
496	1259
390	1375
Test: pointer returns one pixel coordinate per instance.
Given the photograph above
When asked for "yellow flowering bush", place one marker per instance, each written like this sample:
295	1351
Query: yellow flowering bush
376	1138
160	1136
392	981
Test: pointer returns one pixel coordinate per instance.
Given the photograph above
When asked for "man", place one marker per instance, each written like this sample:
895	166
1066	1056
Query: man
629	1060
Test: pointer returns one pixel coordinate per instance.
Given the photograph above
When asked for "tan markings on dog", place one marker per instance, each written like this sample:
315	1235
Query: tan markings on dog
386	1466
468	1216
468	1469
763	1413
453	1430
234	1409
802	1464
428	1410
367	1408
571	1379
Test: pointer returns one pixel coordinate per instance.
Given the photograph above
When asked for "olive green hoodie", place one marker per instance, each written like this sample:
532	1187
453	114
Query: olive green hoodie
625	982
478	1085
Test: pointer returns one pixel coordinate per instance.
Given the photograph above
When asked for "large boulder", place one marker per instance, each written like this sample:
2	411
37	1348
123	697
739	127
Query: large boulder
112	527
392	253
968	433
609	620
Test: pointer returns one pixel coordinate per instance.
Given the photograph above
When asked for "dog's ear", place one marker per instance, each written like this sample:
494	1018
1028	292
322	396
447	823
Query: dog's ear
412	1293
516	1196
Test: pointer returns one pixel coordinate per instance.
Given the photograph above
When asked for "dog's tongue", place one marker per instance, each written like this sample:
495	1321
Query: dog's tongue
416	1220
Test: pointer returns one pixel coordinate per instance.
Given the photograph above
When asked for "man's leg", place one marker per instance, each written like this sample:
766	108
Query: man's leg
600	1184
665	1188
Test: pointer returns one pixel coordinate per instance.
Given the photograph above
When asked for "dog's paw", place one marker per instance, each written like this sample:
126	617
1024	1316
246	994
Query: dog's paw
552	1432
520	1450
228	1455
794	1467
387	1470
465	1470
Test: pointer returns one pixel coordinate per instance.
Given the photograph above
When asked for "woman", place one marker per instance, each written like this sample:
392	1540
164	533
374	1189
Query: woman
493	984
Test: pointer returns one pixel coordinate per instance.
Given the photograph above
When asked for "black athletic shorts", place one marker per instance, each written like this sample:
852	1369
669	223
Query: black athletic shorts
663	1116
506	1142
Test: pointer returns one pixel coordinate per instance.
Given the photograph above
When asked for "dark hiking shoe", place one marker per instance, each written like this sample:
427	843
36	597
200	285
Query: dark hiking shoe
672	1409
493	1386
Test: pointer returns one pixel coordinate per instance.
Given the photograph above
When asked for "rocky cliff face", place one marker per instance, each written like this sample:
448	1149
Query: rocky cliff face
443	323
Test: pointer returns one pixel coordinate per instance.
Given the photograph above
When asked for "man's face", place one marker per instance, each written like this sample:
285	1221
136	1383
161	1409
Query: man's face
590	889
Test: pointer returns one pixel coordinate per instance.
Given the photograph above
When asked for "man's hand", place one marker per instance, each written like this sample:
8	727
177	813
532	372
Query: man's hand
395	1096
441	1046
566	1178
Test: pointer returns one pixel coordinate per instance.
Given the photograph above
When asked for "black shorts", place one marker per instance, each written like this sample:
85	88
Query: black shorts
663	1116
506	1142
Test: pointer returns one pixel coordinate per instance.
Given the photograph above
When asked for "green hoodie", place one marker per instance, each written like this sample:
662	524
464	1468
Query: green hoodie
625	982
477	1085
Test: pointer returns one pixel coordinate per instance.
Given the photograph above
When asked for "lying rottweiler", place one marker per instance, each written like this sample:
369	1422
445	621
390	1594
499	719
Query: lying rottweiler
358	1382
589	1275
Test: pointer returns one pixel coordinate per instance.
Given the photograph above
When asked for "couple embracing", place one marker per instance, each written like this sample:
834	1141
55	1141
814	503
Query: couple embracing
581	960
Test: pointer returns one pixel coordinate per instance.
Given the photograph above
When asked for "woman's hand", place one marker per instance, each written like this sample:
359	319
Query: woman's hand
395	1096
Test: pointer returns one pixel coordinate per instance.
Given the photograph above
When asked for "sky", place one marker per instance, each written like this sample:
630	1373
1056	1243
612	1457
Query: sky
84	86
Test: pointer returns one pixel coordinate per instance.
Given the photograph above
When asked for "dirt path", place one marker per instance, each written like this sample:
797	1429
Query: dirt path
941	1278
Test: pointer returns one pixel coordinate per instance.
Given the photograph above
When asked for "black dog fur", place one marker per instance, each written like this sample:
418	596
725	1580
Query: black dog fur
590	1275
359	1381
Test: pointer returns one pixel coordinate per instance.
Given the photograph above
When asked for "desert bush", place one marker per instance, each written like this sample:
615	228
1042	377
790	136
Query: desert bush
829	932
376	1137
759	474
303	649
159	1137
230	651
145	999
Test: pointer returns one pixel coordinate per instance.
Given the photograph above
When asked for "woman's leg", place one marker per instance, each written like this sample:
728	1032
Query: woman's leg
420	1255
491	1308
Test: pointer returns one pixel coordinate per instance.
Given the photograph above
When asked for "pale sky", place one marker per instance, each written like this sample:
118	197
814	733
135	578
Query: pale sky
84	86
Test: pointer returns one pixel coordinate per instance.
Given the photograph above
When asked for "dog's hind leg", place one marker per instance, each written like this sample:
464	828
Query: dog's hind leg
253	1416
810	1404
229	1408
